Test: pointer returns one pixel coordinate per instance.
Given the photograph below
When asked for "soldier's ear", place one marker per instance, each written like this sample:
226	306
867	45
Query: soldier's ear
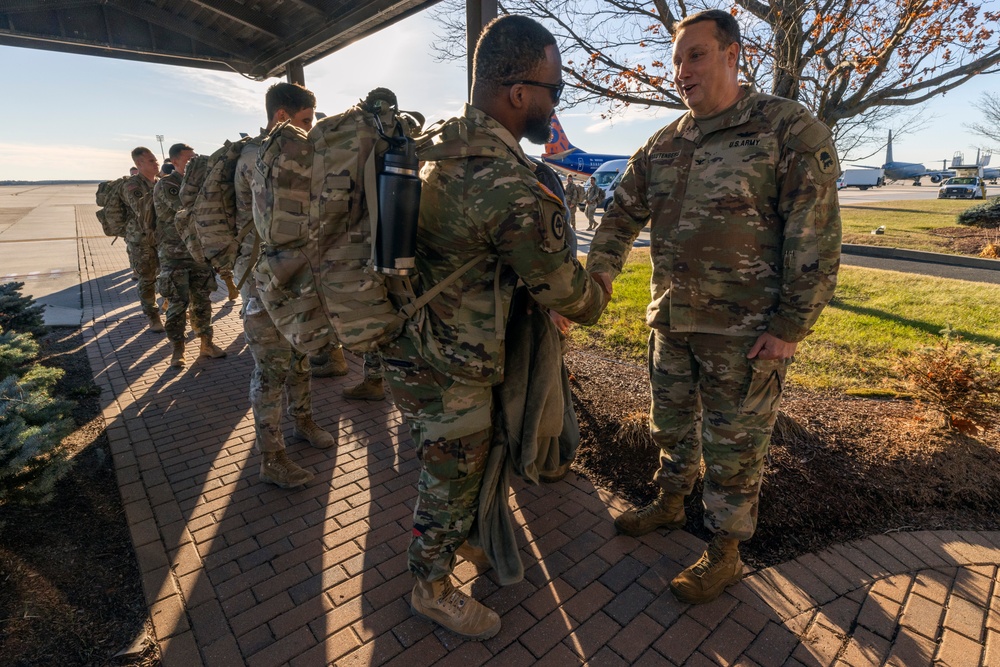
516	95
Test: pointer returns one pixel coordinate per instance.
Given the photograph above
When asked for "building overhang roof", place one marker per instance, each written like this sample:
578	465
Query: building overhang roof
257	38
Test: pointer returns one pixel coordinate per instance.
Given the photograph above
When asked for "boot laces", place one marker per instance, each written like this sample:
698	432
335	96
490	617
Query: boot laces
452	600
652	508
713	556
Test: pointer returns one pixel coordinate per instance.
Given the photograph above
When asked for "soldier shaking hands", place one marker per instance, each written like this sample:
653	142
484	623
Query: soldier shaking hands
745	246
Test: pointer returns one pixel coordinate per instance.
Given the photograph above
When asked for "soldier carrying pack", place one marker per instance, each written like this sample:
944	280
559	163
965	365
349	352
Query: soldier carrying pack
336	211
112	213
208	204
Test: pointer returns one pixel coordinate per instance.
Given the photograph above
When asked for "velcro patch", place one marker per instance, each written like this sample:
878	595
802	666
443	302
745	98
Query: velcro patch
826	159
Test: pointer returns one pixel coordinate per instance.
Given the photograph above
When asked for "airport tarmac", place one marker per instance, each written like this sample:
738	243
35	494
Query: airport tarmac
40	239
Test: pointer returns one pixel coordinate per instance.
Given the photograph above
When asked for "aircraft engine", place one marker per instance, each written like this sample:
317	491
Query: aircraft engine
935	179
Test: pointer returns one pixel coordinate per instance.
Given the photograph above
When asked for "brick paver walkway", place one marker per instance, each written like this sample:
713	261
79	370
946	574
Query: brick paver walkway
237	572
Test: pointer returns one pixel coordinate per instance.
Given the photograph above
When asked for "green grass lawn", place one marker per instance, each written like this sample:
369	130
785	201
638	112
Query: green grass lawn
907	223
875	319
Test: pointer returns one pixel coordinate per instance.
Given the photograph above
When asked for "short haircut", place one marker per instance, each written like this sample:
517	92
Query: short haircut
510	49
291	97
727	30
177	149
139	151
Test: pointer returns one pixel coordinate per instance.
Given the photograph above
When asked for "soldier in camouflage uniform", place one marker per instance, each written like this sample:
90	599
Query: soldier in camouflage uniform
480	196
592	197
278	368
574	195
138	196
745	247
182	280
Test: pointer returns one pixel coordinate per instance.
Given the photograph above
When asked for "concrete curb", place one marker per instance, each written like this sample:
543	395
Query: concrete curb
921	256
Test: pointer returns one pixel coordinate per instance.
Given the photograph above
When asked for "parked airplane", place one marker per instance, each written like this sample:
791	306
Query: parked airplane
903	171
563	155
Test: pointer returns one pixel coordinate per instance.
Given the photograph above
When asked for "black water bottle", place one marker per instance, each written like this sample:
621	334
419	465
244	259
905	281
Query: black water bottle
398	209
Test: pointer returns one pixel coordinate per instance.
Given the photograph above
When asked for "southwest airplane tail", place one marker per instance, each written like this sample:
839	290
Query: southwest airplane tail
566	157
559	144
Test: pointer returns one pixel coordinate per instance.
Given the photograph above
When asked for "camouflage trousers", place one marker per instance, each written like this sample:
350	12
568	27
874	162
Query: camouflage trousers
451	427
182	286
144	262
708	376
278	369
572	215
590	211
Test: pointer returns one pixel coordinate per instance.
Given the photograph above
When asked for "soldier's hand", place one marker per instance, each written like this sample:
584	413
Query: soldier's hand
562	323
603	279
768	346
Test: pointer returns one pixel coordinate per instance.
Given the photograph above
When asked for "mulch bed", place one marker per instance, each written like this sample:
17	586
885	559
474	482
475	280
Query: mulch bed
70	589
840	468
967	240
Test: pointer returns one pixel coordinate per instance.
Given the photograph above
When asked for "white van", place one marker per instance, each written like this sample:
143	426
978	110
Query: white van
608	175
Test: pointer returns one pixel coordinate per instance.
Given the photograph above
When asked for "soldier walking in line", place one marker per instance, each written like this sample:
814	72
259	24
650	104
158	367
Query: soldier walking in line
182	280
278	368
574	194
592	198
488	202
138	195
745	232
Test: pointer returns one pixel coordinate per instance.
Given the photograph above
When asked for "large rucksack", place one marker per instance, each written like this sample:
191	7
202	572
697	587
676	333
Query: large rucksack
112	214
208	204
316	210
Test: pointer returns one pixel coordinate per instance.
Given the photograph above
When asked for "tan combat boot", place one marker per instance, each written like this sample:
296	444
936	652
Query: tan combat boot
307	429
231	286
155	323
210	349
442	603
277	468
177	357
718	567
368	390
334	366
666	511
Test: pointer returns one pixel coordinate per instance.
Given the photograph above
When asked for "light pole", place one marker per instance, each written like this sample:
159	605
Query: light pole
159	138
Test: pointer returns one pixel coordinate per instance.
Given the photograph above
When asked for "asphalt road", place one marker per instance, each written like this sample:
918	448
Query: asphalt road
893	192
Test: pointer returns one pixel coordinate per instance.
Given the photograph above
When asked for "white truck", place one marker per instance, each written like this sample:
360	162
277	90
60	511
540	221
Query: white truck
861	179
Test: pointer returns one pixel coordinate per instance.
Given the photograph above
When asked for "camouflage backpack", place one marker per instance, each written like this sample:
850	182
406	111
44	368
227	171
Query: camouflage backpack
112	214
316	211
208	202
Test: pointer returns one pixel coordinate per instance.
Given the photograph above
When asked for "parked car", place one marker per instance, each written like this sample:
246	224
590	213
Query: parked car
963	187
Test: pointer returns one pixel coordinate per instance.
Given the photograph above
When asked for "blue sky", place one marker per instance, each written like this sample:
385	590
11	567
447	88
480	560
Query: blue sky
78	117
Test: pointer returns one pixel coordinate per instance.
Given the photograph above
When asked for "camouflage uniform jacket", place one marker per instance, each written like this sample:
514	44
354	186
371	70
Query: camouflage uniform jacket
138	195
170	246
745	231
487	199
573	194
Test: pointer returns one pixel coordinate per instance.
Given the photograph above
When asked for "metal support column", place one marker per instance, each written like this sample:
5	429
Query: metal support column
295	72
477	14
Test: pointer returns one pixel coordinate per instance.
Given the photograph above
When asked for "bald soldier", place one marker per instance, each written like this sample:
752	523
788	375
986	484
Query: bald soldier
481	199
745	245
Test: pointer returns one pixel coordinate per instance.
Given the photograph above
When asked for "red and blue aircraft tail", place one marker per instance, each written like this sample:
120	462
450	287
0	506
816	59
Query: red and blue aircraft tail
559	143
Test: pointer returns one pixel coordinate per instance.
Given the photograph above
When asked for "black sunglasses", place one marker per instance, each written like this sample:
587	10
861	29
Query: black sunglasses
555	89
